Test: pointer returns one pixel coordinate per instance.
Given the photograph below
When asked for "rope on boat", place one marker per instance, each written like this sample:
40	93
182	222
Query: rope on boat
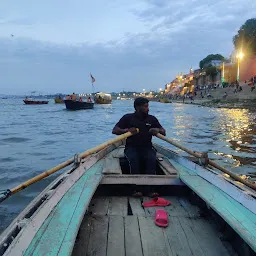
210	162
8	192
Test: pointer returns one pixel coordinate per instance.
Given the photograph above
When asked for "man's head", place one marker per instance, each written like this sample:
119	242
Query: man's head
141	105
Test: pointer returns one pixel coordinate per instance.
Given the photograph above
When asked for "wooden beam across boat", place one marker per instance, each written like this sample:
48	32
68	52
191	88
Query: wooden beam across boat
142	179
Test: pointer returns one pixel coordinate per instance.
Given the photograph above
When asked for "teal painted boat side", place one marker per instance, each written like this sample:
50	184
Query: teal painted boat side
58	233
236	215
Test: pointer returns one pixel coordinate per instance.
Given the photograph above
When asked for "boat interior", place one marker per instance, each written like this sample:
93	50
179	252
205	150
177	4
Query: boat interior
89	210
117	224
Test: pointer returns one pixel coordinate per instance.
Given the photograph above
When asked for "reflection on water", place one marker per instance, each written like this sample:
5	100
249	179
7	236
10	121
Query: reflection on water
36	138
239	129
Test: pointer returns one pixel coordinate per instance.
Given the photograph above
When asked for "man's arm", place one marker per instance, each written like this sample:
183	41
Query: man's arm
157	128
118	131
123	126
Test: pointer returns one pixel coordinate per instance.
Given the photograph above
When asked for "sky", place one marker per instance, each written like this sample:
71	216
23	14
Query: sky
53	46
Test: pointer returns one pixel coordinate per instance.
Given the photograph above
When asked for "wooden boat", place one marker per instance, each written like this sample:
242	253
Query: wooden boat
102	98
77	105
88	210
58	100
35	102
165	100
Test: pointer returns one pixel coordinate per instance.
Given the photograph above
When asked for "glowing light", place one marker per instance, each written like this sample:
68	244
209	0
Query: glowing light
240	55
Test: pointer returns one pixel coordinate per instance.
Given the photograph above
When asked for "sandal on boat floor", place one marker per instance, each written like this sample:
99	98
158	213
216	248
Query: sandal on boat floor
157	201
161	218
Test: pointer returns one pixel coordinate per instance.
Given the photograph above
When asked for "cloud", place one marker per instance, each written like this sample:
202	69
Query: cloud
135	44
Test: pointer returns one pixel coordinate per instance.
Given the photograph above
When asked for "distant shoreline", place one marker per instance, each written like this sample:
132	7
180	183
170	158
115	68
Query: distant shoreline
216	103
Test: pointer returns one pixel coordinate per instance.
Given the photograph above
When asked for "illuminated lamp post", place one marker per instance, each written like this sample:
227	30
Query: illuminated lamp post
239	56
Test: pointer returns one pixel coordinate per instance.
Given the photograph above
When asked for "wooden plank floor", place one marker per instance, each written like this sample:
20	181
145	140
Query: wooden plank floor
121	226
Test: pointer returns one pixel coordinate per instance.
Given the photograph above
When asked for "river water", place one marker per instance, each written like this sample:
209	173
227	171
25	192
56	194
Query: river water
36	138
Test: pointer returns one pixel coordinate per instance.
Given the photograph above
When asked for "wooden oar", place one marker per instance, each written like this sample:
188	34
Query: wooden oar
199	155
6	193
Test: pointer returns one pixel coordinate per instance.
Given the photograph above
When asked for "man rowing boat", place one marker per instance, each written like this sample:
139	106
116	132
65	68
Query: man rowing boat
139	147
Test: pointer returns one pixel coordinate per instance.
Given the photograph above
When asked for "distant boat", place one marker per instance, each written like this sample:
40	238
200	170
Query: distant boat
4	98
58	100
77	105
102	98
35	102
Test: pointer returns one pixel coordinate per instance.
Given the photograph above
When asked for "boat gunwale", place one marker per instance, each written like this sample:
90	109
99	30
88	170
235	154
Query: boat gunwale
22	223
225	184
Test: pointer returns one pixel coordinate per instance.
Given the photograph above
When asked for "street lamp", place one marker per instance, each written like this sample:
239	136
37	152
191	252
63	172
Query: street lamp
239	56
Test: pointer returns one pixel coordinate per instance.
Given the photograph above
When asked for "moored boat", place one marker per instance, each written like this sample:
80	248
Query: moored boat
102	98
58	100
77	105
88	210
35	102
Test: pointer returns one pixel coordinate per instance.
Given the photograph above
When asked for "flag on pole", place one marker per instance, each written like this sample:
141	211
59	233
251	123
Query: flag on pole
93	79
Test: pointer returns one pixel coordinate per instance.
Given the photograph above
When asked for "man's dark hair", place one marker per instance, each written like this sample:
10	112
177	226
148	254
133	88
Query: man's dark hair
140	101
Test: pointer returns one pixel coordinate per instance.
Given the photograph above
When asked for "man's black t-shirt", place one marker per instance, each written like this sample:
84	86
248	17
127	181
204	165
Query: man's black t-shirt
143	138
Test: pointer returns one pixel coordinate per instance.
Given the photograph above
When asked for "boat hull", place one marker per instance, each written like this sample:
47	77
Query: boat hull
35	102
77	105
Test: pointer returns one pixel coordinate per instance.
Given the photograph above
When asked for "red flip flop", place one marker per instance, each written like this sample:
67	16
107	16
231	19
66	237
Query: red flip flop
161	218
157	201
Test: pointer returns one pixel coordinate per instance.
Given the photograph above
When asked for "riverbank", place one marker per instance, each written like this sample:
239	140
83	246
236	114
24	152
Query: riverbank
231	103
224	98
217	103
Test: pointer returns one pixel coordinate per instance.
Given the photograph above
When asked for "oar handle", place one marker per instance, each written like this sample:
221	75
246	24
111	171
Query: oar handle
63	165
198	155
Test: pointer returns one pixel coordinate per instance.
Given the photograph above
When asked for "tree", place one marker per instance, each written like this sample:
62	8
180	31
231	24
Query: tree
246	37
211	71
209	58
